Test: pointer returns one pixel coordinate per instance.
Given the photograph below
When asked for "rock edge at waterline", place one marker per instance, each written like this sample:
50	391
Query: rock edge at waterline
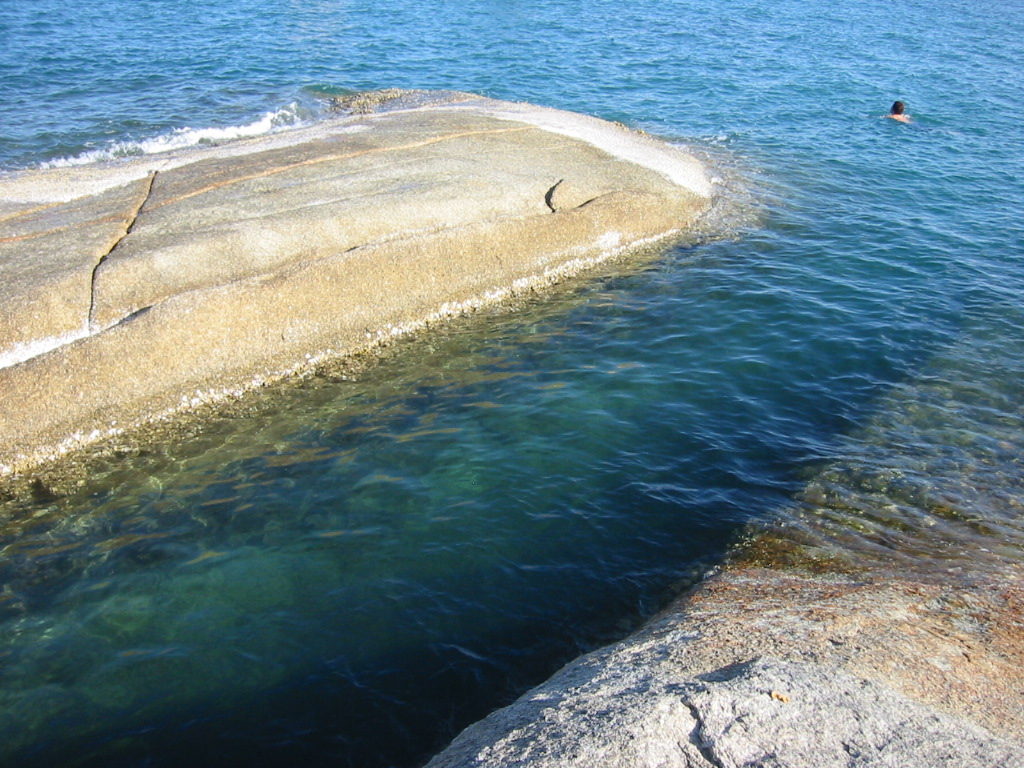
760	667
136	289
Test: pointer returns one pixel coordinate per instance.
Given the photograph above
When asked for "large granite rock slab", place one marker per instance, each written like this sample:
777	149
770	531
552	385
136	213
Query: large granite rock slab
136	289
765	668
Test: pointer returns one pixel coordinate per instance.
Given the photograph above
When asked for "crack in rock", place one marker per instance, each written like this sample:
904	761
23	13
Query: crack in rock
146	193
550	194
697	739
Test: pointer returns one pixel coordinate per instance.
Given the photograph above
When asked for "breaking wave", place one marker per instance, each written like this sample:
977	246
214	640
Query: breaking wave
290	116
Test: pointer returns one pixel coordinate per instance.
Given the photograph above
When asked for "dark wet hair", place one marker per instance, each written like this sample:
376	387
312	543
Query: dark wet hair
897	108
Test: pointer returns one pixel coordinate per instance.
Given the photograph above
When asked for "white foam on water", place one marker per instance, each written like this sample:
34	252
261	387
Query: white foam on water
26	350
96	172
180	138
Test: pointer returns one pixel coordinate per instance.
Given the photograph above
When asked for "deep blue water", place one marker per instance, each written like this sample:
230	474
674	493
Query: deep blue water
349	571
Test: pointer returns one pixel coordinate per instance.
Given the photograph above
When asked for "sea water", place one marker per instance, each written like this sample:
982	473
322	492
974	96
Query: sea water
349	570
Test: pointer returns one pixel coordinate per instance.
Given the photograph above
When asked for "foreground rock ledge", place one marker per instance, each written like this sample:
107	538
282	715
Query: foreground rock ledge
135	289
764	668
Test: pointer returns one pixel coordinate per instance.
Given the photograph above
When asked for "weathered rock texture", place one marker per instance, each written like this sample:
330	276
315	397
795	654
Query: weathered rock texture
135	289
763	668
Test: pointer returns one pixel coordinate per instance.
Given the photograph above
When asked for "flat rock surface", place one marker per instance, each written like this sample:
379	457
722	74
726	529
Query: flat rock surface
763	668
135	289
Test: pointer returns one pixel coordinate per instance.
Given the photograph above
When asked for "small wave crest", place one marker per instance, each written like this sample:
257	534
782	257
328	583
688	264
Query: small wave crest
292	115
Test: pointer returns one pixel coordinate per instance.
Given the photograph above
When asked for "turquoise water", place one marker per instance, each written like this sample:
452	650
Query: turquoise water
349	571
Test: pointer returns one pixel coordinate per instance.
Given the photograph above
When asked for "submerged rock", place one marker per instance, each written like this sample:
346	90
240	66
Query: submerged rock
135	289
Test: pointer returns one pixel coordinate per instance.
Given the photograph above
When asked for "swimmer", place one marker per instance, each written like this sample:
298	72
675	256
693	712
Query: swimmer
898	112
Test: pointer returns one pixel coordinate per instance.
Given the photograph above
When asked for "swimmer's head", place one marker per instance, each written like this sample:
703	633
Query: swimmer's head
897	108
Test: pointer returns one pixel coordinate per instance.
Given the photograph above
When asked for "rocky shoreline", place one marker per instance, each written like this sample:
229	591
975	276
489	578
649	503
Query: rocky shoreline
154	286
764	667
166	284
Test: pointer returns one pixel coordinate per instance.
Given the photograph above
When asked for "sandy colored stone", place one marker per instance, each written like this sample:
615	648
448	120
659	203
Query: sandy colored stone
567	194
48	253
199	274
314	200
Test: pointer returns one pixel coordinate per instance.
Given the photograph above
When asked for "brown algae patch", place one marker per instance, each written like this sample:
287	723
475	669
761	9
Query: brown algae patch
780	550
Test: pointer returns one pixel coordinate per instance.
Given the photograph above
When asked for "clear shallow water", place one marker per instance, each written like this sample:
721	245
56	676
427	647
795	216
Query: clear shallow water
350	571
